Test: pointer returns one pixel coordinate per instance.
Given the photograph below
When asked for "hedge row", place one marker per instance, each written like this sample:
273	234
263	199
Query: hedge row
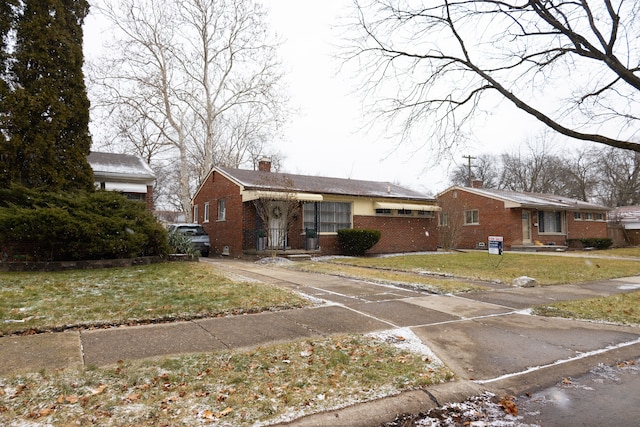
355	242
43	226
591	242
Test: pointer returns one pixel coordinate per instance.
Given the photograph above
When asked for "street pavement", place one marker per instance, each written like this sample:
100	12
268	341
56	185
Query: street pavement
488	338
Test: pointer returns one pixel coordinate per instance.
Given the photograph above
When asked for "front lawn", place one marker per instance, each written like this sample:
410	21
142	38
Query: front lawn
546	269
405	278
139	294
267	384
622	309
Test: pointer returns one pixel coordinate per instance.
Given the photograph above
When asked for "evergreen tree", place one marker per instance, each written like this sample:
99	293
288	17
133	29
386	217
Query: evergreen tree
7	16
47	122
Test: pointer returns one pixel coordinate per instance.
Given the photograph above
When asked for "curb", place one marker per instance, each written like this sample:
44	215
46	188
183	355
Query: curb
386	409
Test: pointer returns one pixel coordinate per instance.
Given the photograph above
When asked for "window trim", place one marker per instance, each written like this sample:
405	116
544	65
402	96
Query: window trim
222	210
317	223
195	214
475	217
541	223
206	212
443	219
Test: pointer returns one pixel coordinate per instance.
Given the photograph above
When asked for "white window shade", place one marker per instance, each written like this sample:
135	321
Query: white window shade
406	206
125	187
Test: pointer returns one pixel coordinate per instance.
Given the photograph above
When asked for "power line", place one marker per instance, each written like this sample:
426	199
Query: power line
469	158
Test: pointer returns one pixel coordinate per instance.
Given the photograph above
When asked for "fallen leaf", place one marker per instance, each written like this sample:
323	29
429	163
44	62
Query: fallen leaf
208	415
46	411
133	397
509	405
98	390
226	412
72	399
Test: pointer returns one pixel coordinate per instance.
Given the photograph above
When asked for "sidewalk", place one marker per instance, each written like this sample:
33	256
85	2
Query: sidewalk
486	338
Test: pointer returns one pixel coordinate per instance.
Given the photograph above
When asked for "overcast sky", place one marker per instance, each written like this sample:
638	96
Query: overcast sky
326	137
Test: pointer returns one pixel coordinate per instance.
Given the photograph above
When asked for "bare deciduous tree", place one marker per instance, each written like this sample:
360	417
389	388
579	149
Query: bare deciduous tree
619	174
201	76
484	168
572	65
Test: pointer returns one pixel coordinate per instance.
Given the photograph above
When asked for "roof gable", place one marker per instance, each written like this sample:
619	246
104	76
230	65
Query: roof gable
273	181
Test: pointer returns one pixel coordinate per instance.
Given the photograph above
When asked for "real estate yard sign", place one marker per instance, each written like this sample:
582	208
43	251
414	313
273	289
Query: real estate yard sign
495	245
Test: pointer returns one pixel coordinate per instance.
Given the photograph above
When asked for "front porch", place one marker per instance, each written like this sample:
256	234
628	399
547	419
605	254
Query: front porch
278	242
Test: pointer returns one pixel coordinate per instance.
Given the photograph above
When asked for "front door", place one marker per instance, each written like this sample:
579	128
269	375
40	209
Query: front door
526	227
277	225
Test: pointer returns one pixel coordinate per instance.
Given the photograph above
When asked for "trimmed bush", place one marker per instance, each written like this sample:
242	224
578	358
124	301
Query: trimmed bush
597	242
43	226
356	242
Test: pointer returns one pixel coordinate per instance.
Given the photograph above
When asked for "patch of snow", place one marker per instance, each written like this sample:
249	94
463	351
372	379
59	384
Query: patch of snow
629	287
478	411
405	339
412	253
273	260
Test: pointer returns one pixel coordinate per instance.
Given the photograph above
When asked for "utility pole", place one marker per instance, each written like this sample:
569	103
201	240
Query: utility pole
469	158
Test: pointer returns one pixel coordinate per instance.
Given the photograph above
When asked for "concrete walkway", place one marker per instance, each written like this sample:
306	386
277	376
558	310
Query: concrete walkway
487	338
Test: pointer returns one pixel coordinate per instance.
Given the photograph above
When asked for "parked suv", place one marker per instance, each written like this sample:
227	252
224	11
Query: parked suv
199	238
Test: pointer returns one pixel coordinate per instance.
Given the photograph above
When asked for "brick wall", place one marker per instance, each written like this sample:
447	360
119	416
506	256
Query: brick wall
493	220
400	234
149	198
585	228
227	232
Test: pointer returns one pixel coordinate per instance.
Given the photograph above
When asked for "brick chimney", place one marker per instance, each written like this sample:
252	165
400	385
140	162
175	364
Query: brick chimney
476	183
264	164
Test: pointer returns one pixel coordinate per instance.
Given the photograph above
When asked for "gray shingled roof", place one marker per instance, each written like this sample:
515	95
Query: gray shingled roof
120	165
272	181
538	200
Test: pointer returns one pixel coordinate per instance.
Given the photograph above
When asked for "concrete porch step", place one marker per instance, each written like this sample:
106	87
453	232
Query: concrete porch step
299	257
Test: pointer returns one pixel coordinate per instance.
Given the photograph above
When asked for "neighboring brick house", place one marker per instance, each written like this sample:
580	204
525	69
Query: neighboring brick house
524	220
125	173
246	211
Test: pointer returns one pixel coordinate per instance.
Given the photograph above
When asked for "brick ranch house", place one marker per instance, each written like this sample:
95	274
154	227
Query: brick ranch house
125	173
247	211
524	220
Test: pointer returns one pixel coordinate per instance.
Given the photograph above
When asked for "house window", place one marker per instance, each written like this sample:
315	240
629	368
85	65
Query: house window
195	213
577	216
550	222
599	217
588	216
426	214
443	219
408	212
327	217
206	212
222	210
383	211
471	217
